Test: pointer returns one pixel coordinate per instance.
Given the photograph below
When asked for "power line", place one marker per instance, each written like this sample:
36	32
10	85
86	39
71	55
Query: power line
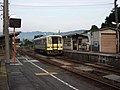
67	5
67	1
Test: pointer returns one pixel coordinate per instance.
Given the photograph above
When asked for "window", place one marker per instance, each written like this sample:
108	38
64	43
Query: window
49	40
59	40
55	40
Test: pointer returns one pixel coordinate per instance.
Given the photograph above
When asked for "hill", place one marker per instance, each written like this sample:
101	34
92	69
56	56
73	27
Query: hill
30	35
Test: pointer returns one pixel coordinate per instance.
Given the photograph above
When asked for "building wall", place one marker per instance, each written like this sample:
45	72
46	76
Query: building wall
67	44
95	41
104	41
108	31
75	42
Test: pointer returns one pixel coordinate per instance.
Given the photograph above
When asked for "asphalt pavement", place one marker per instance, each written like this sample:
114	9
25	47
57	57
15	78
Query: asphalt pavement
30	74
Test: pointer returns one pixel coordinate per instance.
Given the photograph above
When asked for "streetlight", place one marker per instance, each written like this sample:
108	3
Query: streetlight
115	24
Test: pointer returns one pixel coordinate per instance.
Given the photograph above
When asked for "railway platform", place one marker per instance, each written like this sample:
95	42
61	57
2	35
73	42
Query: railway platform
14	78
3	78
3	73
20	76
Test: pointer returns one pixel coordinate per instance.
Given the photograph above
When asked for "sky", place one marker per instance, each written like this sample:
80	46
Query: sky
55	15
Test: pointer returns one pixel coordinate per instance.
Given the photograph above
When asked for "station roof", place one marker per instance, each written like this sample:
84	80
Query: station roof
103	29
75	35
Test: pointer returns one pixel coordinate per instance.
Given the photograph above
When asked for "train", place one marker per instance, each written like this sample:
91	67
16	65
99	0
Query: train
50	44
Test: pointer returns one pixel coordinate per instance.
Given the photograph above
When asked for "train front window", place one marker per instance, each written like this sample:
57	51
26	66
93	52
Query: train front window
55	40
59	40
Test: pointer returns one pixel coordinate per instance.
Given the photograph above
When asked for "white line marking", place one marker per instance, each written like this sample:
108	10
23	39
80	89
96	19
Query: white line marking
33	60
53	75
19	61
16	63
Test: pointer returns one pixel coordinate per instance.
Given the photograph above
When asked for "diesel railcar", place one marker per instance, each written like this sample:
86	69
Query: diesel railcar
50	45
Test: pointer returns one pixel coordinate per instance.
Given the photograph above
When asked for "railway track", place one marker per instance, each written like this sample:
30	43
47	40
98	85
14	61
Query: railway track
95	65
94	72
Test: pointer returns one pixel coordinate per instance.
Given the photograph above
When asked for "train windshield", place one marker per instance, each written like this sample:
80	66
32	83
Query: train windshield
56	40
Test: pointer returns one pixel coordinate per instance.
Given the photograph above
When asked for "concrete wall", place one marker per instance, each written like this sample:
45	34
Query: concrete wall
108	59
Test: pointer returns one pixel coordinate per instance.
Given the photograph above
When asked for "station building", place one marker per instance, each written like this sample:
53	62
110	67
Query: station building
2	44
75	42
101	40
104	40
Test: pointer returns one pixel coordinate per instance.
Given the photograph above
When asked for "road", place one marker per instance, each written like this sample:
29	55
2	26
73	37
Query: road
32	74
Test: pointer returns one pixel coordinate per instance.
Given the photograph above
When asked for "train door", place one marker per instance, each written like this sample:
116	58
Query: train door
55	43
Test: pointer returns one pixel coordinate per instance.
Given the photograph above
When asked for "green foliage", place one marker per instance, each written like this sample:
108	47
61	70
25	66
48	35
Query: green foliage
27	43
110	19
37	36
94	28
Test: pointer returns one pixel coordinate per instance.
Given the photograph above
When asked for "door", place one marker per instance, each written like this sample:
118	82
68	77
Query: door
108	42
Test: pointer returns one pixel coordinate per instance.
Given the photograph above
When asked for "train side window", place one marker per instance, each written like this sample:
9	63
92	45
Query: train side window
44	41
49	40
39	42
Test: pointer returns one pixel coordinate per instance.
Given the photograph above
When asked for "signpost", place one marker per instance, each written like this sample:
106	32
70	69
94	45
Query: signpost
14	23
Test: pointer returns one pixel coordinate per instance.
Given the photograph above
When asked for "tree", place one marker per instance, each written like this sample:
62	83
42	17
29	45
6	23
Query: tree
110	19
94	27
36	36
27	43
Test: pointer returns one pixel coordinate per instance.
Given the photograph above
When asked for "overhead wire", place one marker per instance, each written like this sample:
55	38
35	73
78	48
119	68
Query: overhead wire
67	5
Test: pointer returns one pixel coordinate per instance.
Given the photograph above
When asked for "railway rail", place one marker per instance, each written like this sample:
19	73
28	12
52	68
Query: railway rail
95	65
93	72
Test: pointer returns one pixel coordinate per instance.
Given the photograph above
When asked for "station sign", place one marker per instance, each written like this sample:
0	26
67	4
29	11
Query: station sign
14	22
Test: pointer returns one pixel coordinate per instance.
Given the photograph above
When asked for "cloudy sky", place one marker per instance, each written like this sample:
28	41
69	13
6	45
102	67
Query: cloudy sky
63	15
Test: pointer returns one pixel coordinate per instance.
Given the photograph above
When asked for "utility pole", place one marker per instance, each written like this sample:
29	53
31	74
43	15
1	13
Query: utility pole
6	22
3	18
59	32
117	25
